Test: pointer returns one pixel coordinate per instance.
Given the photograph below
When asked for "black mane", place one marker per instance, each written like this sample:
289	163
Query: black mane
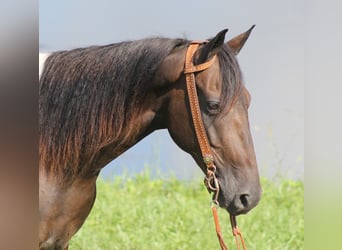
88	93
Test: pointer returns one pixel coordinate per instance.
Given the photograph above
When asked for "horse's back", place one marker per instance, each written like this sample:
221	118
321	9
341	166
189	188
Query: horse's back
42	59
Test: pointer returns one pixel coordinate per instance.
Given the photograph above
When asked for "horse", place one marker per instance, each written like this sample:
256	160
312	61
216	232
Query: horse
98	101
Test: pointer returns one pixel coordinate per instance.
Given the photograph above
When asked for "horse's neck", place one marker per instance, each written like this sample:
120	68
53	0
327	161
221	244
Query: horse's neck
137	129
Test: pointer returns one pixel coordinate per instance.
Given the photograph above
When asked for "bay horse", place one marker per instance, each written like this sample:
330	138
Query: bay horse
98	101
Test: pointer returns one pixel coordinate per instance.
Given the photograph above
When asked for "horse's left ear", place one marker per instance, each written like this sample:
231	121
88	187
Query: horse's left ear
237	42
211	47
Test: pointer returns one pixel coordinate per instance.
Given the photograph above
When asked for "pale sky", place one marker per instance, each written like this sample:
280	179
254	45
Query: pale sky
272	62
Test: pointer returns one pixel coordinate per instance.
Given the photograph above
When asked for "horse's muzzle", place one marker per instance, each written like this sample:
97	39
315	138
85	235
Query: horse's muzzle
243	203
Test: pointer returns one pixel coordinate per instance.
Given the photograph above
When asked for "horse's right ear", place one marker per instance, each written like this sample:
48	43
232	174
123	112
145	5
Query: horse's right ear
212	46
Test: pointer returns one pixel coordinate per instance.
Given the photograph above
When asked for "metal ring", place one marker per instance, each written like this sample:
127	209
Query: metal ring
212	186
211	168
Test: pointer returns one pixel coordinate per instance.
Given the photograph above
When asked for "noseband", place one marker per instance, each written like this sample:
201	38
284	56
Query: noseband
210	179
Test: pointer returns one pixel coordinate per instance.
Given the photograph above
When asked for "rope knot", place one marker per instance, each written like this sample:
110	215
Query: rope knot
236	231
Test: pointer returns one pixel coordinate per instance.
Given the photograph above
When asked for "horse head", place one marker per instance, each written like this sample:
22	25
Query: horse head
223	101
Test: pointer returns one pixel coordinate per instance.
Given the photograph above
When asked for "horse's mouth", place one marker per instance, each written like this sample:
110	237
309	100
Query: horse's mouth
232	210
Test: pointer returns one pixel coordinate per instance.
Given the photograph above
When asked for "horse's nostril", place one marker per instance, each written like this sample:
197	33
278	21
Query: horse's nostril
244	200
242	204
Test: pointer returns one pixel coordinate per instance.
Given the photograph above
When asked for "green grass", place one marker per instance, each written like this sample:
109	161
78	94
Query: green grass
141	213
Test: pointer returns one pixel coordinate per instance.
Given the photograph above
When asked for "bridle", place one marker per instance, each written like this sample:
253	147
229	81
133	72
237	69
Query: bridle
210	179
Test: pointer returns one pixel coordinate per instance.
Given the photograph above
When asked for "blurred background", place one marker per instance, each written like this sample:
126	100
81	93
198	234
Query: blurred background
272	62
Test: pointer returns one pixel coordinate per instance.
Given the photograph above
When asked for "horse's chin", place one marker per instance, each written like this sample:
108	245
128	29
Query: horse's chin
234	212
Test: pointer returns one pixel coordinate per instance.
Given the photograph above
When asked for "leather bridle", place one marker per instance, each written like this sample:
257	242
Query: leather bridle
210	179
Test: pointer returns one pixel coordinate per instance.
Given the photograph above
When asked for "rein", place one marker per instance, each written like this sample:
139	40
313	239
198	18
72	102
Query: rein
210	179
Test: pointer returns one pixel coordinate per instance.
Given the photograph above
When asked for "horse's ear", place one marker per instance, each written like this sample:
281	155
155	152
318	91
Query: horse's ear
237	42
212	46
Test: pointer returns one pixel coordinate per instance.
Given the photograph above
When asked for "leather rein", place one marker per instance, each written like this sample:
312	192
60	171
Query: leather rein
210	179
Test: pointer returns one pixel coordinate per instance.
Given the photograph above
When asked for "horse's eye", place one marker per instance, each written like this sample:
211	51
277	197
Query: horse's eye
213	107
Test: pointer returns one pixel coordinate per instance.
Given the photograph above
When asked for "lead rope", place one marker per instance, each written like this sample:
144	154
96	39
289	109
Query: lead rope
237	233
210	180
214	187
